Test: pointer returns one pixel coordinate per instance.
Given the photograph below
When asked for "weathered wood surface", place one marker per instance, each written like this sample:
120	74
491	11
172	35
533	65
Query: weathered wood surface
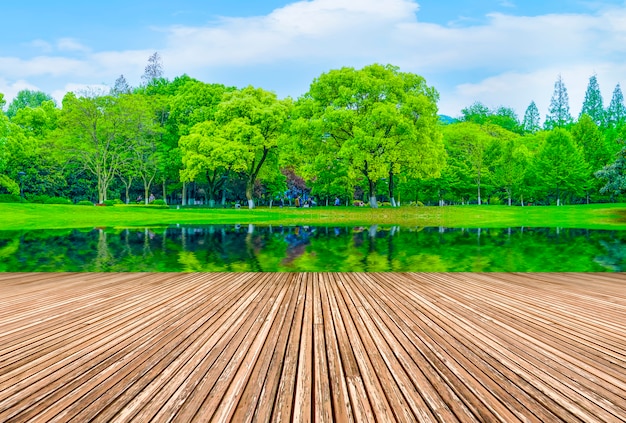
313	347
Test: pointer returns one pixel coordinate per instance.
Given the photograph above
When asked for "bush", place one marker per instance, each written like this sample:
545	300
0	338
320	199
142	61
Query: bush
109	203
384	204
57	200
84	203
495	201
159	203
118	201
10	198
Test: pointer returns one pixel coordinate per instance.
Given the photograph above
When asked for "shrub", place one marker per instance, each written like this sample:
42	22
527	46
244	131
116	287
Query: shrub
159	203
495	201
84	203
57	200
118	201
109	203
385	204
10	198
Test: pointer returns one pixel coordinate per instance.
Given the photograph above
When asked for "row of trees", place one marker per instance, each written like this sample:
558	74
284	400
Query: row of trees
372	134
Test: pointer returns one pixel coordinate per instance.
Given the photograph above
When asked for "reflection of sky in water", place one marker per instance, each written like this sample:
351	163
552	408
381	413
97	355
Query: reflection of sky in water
306	248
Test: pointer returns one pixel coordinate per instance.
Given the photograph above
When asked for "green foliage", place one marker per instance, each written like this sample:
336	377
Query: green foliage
531	119
84	203
10	198
370	123
560	166
559	115
109	203
614	175
592	106
27	98
159	202
616	112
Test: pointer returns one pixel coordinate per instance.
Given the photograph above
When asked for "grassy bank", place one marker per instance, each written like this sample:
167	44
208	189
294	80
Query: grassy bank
40	216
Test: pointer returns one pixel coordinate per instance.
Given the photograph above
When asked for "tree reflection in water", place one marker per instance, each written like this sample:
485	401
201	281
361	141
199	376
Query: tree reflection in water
253	248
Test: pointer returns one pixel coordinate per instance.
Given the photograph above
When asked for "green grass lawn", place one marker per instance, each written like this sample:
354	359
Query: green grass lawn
40	216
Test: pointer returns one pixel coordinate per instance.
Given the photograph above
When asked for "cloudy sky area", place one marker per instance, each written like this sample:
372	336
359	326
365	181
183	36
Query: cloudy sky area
499	52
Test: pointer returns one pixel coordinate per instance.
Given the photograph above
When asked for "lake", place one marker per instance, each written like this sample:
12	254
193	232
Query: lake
251	248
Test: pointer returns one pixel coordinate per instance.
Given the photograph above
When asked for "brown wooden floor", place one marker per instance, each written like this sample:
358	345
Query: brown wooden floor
313	346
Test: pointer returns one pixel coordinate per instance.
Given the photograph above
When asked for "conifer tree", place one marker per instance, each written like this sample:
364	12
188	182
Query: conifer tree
616	112
559	115
592	105
531	118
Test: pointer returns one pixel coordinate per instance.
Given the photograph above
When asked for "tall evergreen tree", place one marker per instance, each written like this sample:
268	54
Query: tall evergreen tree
531	118
592	105
616	113
559	115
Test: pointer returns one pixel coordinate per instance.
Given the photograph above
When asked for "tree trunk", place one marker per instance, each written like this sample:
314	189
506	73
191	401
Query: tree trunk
249	188
373	203
392	200
184	199
164	192
479	202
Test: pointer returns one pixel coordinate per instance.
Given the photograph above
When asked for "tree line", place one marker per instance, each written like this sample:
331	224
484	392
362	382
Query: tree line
370	135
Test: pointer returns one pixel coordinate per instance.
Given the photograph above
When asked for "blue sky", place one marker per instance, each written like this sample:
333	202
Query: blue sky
499	52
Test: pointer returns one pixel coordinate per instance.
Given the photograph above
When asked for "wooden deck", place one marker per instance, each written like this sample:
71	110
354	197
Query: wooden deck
313	347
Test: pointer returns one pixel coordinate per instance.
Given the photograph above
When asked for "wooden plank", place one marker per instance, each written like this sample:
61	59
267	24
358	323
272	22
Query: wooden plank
308	346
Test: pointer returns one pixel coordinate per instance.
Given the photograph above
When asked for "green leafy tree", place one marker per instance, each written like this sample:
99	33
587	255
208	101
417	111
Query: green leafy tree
616	112
531	122
560	165
592	106
6	128
27	98
510	168
614	175
372	123
559	115
476	113
99	132
596	153
468	142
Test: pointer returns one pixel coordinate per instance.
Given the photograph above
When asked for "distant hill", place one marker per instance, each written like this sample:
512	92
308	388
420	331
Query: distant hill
446	120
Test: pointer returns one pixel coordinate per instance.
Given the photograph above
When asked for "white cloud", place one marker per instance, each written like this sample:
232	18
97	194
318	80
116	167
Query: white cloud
80	90
70	44
10	89
507	60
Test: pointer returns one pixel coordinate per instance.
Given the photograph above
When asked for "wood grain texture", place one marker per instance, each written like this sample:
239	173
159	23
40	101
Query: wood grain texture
248	347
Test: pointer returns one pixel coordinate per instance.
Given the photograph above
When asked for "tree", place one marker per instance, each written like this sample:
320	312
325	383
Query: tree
531	119
467	143
99	132
371	123
510	167
476	113
246	131
559	115
5	132
120	87
27	98
153	70
560	165
616	112
614	175
592	106
596	153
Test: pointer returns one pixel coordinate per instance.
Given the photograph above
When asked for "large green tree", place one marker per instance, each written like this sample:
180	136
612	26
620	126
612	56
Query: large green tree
101	131
246	130
372	123
560	165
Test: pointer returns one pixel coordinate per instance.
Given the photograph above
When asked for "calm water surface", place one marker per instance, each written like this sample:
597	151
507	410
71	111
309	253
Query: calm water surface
243	248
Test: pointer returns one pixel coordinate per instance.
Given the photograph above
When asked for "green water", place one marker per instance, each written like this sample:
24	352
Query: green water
244	248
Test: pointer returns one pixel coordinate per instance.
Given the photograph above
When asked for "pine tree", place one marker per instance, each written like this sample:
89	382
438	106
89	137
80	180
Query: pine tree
154	69
616	113
120	87
592	105
559	115
531	118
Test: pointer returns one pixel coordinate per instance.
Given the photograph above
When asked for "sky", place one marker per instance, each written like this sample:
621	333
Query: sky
498	52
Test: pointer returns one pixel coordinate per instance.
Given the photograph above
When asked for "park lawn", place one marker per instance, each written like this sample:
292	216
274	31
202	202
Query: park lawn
41	216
